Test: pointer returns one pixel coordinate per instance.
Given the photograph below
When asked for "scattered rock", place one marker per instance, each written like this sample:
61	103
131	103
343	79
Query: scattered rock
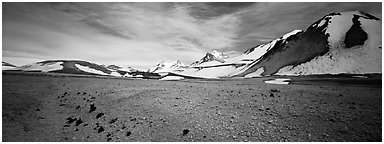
275	90
271	121
109	134
128	133
185	132
92	108
113	120
70	120
79	121
101	129
99	115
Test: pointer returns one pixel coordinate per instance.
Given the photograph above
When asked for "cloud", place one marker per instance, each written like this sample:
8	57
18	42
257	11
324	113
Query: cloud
135	34
120	33
153	22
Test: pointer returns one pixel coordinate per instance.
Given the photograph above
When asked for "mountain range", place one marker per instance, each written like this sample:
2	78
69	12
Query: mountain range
345	42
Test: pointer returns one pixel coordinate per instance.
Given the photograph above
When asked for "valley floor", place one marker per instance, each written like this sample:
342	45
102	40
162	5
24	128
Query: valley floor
66	108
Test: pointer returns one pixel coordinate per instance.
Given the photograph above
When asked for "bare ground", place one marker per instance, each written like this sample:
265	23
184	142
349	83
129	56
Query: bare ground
65	108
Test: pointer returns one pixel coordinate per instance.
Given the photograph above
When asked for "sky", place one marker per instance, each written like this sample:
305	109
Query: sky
144	34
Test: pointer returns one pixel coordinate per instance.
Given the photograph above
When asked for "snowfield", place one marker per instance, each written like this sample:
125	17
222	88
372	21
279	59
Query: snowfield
44	67
168	67
8	68
90	70
172	78
278	81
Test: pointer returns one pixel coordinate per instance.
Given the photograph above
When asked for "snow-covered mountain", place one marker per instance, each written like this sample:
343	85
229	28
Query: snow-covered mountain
78	67
173	66
347	42
210	56
230	63
8	66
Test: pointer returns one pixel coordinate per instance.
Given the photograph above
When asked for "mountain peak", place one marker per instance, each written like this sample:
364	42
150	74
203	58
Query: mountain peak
210	56
168	66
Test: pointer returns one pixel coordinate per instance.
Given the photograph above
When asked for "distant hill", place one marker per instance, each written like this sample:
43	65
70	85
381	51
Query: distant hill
8	66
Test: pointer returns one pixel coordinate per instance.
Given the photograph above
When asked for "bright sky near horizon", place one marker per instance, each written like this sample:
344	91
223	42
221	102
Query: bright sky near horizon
144	34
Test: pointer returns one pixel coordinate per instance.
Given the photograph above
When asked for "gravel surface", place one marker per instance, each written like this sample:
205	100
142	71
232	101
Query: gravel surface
66	108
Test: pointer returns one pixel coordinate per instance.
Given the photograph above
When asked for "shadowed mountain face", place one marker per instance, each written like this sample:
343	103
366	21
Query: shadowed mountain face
296	49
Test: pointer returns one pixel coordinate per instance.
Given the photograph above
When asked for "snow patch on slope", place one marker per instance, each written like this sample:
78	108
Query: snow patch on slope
354	61
278	81
257	73
172	78
212	72
44	67
8	68
90	70
114	73
291	33
168	67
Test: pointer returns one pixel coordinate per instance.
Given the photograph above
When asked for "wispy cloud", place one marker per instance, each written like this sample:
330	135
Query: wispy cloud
108	32
139	34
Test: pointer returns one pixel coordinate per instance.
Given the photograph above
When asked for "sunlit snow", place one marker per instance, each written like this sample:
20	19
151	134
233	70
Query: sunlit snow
90	70
278	81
